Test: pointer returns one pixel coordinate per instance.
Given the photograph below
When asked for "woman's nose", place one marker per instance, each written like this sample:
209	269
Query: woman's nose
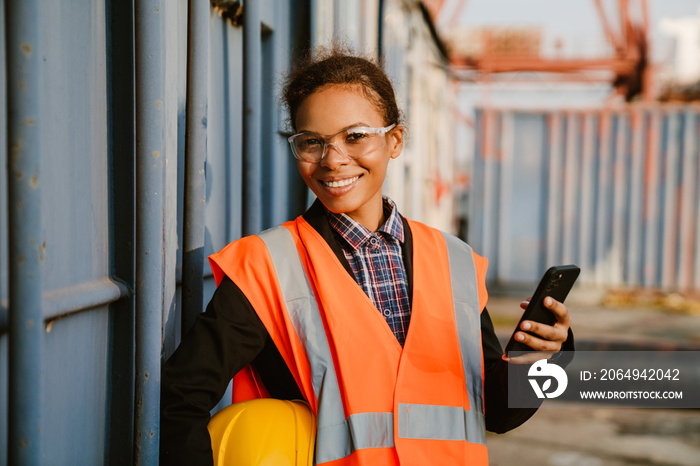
333	156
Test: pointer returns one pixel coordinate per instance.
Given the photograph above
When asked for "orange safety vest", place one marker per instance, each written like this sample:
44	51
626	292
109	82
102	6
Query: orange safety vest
375	402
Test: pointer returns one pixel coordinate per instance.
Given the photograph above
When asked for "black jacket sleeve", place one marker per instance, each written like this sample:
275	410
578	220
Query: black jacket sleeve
223	340
499	417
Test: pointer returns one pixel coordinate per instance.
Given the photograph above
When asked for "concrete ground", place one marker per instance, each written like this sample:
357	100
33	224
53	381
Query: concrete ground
589	435
583	434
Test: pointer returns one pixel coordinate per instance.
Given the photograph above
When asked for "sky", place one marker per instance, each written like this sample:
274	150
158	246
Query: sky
576	22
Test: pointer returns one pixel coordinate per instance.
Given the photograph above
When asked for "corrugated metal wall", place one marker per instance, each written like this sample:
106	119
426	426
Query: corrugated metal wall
65	134
616	191
110	143
143	136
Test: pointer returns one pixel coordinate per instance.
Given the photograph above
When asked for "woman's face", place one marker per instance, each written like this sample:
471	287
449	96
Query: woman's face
344	185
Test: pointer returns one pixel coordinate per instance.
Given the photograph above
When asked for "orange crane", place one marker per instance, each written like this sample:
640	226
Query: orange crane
628	61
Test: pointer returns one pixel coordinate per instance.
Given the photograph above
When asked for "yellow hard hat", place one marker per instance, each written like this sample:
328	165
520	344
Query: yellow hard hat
263	432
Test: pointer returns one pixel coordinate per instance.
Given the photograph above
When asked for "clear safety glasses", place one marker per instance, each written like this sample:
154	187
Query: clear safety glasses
353	143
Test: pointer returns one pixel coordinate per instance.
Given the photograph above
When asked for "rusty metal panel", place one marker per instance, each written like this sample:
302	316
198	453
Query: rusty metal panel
615	190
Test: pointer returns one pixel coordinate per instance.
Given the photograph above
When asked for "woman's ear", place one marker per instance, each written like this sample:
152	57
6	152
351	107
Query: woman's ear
395	141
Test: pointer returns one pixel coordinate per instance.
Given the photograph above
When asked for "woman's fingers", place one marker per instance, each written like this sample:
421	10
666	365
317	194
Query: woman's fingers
537	343
546	337
559	310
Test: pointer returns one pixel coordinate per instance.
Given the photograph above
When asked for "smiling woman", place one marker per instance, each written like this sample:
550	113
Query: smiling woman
334	93
343	184
377	322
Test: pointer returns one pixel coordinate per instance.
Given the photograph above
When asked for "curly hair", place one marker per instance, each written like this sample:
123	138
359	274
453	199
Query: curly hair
338	66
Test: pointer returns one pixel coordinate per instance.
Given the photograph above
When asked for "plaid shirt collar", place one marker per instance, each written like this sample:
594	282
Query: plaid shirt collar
356	234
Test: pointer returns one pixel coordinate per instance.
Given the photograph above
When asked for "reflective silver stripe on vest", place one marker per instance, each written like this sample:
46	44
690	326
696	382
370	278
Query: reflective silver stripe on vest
465	297
332	433
440	423
372	430
338	437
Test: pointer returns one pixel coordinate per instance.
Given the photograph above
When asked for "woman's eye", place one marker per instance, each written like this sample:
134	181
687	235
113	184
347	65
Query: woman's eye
356	137
309	143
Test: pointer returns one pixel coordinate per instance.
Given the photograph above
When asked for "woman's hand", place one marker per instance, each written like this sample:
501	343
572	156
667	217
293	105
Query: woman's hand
549	338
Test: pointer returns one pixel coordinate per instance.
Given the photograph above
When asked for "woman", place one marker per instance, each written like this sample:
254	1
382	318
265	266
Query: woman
320	308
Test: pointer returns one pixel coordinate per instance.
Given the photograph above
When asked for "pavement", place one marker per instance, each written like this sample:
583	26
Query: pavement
588	434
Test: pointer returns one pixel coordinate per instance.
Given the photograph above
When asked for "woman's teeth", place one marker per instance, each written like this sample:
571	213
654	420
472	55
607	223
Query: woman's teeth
340	183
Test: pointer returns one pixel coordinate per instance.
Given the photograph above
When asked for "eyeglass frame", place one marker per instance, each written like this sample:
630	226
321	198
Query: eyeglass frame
379	131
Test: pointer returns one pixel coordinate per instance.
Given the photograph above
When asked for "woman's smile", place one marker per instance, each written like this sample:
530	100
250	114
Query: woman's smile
339	183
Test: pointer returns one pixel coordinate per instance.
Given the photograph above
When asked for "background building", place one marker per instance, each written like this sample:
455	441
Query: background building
569	154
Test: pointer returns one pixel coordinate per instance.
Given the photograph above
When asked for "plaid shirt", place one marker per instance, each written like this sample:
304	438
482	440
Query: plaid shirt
377	264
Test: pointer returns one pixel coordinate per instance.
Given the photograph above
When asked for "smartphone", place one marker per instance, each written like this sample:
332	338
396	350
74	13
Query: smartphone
556	282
